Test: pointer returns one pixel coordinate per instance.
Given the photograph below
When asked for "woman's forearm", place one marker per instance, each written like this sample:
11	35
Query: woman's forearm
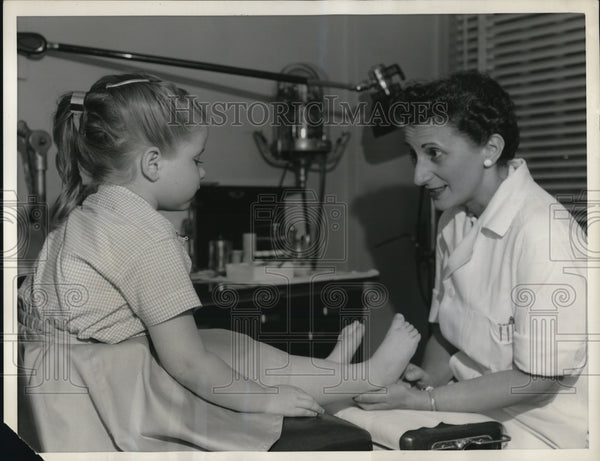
496	390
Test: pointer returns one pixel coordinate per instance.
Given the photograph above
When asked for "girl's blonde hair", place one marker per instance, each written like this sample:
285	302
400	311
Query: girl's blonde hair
120	114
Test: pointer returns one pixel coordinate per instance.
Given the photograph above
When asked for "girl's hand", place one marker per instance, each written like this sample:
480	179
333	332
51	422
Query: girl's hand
292	401
399	395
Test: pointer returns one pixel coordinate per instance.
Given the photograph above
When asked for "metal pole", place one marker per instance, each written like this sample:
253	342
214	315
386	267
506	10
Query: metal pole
33	44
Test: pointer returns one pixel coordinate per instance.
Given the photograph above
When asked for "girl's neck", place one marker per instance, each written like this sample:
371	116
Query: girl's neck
142	192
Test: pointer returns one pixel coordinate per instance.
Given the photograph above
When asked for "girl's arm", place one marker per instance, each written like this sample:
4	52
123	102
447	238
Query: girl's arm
182	354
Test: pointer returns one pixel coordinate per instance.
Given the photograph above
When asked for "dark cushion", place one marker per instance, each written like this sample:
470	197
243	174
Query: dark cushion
322	433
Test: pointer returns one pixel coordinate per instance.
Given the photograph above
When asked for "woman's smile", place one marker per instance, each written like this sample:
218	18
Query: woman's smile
436	192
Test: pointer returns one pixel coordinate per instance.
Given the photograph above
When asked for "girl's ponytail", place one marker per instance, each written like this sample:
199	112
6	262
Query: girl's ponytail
66	135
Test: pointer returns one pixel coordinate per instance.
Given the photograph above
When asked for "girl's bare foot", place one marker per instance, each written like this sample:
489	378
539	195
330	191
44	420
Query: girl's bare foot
394	353
347	344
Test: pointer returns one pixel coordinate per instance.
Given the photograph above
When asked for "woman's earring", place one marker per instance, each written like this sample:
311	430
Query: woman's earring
487	163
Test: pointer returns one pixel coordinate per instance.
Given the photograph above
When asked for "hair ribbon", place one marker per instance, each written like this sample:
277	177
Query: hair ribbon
76	106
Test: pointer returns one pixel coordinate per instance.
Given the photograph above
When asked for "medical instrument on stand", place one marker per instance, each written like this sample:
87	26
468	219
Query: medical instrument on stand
33	146
301	145
303	141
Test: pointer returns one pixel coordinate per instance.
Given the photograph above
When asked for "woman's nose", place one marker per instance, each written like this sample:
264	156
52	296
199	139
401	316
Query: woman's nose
202	173
422	174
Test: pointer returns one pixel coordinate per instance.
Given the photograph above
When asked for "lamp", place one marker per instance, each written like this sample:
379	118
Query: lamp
384	81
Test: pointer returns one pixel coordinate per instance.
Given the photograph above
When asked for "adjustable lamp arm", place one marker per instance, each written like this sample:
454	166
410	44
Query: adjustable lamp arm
35	45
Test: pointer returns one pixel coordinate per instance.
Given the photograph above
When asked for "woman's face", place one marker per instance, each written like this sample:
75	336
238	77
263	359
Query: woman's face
449	165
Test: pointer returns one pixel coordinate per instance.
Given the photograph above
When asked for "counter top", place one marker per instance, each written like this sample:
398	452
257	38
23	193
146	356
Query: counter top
275	275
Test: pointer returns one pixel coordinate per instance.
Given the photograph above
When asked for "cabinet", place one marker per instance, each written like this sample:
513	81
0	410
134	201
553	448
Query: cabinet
300	316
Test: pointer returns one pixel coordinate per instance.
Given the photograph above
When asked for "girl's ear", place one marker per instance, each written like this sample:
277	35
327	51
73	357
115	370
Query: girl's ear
493	149
150	163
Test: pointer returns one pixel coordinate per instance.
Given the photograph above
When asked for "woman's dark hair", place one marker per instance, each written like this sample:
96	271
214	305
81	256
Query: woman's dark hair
474	103
119	114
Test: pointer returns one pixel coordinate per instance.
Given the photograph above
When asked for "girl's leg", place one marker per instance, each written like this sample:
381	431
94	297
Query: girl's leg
325	380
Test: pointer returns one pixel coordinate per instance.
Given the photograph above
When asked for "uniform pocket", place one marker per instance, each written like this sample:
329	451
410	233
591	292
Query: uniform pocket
505	331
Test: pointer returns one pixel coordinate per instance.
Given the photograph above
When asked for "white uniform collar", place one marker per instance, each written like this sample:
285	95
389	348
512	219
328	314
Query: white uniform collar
500	212
463	231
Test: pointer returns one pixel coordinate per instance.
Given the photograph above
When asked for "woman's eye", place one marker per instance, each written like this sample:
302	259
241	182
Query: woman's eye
198	162
434	153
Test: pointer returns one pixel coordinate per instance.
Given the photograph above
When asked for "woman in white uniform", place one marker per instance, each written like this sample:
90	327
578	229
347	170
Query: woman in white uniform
509	303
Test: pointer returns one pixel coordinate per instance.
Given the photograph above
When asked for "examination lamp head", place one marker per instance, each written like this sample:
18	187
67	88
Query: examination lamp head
386	83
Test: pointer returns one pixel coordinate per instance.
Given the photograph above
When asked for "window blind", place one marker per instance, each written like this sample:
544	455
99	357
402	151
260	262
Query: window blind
540	60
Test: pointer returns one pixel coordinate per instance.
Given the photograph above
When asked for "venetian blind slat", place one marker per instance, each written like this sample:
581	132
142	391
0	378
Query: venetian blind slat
552	120
538	66
550	43
541	143
558	163
556	74
503	23
547	29
533	55
552	86
550	108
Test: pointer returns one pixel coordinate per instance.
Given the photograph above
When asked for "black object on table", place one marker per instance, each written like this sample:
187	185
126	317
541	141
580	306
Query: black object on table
488	435
322	433
303	317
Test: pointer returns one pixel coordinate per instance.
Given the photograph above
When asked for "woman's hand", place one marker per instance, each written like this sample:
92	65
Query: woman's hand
415	374
399	395
291	401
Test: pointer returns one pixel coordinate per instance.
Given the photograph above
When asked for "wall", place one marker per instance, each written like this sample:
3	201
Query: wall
373	180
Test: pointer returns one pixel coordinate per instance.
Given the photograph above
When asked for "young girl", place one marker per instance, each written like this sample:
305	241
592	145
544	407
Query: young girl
139	140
